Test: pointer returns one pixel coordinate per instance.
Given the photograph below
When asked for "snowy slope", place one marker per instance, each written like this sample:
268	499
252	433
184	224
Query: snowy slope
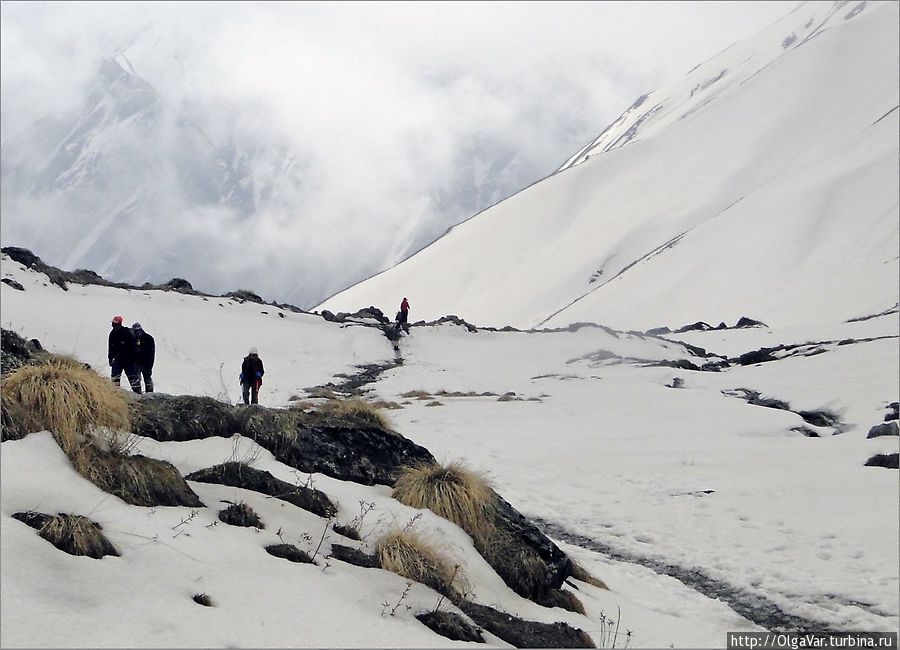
763	185
637	470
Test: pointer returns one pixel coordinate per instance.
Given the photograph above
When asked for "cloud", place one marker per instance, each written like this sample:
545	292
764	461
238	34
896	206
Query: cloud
371	127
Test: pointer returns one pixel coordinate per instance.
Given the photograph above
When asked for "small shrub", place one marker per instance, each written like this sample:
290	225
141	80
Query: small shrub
70	401
346	531
137	480
76	535
322	392
289	552
240	514
454	493
406	554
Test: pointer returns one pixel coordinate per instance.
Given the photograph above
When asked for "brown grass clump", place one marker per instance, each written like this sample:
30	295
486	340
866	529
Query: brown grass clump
241	514
77	535
357	411
582	574
69	400
408	555
454	493
137	480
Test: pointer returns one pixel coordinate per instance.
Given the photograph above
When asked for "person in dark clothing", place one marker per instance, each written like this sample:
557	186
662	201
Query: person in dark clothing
252	372
403	315
122	355
145	348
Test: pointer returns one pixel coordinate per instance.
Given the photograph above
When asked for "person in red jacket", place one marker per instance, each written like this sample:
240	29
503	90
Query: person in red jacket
403	315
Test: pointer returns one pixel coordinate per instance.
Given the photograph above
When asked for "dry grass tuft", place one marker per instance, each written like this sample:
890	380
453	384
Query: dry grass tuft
582	574
357	411
74	403
408	555
77	535
137	480
454	493
241	514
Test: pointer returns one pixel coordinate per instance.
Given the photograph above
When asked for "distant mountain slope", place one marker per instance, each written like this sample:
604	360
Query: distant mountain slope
763	184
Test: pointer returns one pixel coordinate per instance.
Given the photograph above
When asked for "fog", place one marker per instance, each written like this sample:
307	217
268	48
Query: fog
296	148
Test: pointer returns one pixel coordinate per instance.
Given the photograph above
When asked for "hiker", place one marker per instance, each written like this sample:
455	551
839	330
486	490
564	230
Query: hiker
403	315
122	355
146	354
252	372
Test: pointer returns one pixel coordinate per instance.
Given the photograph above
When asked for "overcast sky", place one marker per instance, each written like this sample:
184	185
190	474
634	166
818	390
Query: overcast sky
383	97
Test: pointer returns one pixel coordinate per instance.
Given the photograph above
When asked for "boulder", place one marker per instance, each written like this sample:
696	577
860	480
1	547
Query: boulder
890	461
886	429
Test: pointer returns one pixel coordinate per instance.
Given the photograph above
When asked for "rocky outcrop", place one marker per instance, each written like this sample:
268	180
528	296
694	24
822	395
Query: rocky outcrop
240	475
526	634
886	429
890	461
176	418
343	449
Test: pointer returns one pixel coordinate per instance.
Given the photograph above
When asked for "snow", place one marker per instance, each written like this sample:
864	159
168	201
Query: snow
595	443
768	191
785	168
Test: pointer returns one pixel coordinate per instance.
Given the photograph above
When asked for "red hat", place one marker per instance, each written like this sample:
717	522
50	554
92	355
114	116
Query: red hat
117	319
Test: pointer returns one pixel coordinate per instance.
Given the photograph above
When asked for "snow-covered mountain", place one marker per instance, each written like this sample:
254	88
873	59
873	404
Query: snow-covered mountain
763	184
144	184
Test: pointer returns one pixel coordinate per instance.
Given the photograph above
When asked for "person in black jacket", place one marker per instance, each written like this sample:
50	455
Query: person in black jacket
252	372
146	354
122	355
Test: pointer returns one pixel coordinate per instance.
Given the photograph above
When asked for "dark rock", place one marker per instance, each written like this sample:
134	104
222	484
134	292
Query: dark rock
526	634
15	285
682	364
743	321
551	566
244	295
894	414
289	552
819	418
451	625
846	342
361	454
178	284
327	315
354	556
203	599
722	326
182	417
677	382
758	356
15	351
809	433
699	326
658	331
240	475
890	461
886	429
